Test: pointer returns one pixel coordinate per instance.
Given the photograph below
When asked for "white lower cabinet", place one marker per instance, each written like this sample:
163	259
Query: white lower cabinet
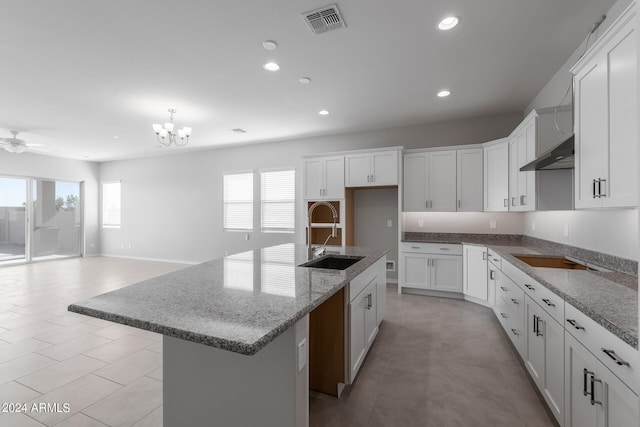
594	396
545	355
474	273
431	266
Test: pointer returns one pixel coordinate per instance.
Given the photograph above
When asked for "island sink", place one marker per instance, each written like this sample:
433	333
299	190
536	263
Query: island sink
333	262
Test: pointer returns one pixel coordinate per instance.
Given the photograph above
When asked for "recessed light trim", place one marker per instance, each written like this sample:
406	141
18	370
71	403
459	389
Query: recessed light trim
448	22
238	130
444	93
323	112
304	80
271	66
270	45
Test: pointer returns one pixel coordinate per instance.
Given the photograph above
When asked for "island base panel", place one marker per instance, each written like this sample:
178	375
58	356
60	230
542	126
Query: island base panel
204	385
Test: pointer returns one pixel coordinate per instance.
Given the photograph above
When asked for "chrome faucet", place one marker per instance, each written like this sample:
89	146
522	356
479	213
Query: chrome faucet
312	253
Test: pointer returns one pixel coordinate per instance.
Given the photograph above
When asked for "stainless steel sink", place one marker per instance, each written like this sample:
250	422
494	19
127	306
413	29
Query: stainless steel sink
333	262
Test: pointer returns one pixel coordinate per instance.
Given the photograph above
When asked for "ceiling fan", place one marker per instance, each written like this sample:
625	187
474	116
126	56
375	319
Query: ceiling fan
15	145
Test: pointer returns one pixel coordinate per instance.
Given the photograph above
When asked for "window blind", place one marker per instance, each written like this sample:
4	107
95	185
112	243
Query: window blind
278	193
238	201
111	204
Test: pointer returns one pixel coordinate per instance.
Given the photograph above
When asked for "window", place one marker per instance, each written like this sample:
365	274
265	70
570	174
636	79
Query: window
238	202
111	204
278	192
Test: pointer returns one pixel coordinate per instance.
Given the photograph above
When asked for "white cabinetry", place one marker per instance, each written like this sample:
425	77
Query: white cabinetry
522	150
594	396
376	168
436	267
544	357
324	178
605	81
474	273
430	181
469	180
496	176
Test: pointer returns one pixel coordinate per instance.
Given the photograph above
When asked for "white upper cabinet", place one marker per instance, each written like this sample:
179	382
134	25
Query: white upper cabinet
324	178
496	177
441	167
415	182
606	151
470	188
376	168
522	150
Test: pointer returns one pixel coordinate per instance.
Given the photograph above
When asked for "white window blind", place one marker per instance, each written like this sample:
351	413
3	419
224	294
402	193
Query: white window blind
238	201
111	204
278	194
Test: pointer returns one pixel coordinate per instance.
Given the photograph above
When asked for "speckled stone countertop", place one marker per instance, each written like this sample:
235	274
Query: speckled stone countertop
239	303
609	298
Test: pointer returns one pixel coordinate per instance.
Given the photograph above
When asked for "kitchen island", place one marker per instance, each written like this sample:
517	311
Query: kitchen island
235	332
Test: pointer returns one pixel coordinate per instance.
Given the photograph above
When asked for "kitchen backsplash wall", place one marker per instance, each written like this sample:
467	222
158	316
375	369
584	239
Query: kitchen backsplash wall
612	231
464	222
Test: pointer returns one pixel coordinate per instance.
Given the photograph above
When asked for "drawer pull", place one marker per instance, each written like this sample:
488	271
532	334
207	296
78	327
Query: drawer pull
584	381
496	259
528	286
575	324
503	315
515	301
504	289
612	354
445	249
492	275
515	331
593	381
549	303
415	247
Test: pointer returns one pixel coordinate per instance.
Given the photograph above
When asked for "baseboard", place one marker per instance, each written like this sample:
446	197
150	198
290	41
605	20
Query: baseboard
431	293
149	259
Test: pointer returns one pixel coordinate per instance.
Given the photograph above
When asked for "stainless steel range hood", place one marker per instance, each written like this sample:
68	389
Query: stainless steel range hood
559	157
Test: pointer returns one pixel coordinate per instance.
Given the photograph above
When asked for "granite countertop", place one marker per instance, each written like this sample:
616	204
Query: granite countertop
238	303
608	297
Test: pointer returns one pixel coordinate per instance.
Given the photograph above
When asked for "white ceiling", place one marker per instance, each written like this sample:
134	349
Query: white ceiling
77	73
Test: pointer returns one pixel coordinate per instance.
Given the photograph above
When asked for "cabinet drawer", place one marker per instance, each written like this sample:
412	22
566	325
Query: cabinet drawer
431	248
614	353
495	259
361	281
550	302
507	289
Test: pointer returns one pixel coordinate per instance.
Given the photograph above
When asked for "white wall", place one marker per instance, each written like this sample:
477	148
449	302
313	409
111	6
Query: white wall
464	222
172	205
55	168
610	231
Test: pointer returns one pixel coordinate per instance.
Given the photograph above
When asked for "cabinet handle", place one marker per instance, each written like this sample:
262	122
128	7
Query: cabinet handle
535	324
513	201
612	354
528	286
426	204
492	275
523	200
459	204
593	381
430	204
415	247
496	259
594	189
503	315
515	331
549	303
445	249
600	193
504	289
537	320
484	256
584	381
506	203
515	301
575	324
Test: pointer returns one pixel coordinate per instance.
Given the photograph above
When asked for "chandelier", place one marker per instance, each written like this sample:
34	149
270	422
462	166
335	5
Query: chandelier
166	135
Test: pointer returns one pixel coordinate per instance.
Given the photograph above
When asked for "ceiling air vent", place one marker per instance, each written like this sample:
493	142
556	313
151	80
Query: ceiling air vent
324	19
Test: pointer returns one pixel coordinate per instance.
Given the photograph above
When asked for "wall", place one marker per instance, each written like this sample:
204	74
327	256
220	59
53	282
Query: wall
172	205
611	231
372	209
464	222
55	168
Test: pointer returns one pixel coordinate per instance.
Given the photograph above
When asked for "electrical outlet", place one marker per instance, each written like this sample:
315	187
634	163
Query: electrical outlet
493	224
420	223
389	223
533	226
566	230
246	236
302	354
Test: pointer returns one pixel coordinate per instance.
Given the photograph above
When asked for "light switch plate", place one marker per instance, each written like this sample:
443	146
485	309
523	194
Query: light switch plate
566	230
420	223
302	354
389	223
493	224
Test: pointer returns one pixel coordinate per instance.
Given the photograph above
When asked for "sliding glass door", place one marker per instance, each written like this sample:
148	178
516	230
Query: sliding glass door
13	217
53	212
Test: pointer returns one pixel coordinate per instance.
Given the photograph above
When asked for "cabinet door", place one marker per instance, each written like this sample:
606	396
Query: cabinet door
313	177
522	176
496	177
370	313
381	293
415	270
358	341
591	130
442	181
474	272
553	391
357	170
621	187
513	174
619	404
469	180
415	182
446	273
528	202
535	342
384	168
334	177
579	411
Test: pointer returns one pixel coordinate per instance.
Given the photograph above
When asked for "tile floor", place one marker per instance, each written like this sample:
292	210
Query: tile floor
436	362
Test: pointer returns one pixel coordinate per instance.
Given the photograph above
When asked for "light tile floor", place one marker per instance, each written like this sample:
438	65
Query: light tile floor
436	362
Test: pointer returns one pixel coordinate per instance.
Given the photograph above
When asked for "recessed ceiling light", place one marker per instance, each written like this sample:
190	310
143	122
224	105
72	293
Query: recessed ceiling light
444	93
238	130
448	23
323	112
304	80
271	66
270	45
